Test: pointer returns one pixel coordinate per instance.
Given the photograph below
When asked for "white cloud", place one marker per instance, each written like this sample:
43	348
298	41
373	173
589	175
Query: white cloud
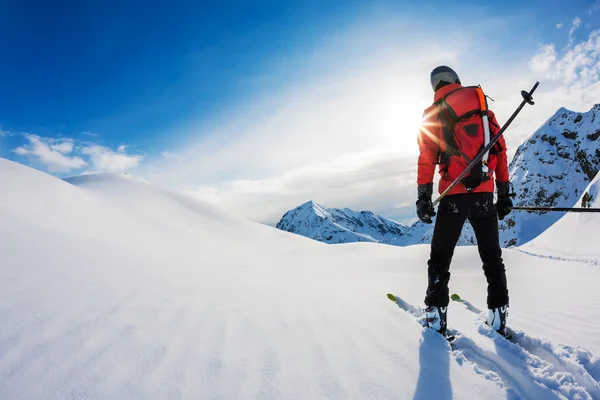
64	147
50	154
346	135
576	70
103	159
559	25
385	184
575	26
65	155
544	59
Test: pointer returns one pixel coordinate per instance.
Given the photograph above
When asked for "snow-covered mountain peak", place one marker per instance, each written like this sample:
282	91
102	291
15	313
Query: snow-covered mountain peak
334	225
552	169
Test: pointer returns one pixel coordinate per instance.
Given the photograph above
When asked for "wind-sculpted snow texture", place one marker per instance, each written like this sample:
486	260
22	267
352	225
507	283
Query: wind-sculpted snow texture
111	288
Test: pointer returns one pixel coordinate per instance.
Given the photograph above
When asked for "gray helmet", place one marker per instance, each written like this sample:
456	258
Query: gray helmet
443	74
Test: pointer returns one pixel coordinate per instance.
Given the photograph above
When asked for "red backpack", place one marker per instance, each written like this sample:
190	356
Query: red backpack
463	115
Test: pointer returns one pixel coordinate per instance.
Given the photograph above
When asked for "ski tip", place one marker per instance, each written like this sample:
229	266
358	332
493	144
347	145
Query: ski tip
391	297
455	297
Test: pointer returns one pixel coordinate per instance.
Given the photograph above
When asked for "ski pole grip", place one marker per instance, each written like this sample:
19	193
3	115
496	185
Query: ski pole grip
528	96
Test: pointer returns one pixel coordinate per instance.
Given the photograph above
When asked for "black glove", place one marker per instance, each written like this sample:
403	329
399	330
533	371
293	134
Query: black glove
425	209
504	202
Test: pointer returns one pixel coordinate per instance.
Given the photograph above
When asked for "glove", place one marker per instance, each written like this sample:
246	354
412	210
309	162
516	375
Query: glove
504	202
425	209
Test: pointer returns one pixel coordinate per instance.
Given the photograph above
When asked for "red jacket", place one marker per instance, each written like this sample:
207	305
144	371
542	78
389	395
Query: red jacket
430	139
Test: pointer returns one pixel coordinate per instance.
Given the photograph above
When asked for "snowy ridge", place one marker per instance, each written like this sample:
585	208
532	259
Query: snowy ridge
552	169
334	226
115	288
574	236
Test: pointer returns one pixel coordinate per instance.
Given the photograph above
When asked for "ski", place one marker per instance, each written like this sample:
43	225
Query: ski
510	335
417	313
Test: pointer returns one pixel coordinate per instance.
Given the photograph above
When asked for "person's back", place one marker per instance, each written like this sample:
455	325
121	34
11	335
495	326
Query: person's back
453	131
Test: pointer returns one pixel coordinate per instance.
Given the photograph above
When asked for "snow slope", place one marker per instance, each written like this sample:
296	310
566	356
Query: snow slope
335	226
113	288
574	236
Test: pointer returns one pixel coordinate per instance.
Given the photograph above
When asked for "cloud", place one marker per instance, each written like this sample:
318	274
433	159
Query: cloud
66	155
51	153
575	26
559	25
103	159
576	70
64	147
594	8
345	134
384	184
544	59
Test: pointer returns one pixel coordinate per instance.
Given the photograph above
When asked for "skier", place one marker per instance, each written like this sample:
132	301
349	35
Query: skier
452	133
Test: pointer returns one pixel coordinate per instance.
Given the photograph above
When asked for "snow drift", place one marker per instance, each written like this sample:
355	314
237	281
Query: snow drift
113	288
574	236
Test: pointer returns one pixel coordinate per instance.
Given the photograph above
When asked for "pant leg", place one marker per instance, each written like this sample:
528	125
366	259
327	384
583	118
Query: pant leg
484	220
448	226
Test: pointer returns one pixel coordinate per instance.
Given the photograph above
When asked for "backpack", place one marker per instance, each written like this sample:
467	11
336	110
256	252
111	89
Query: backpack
462	119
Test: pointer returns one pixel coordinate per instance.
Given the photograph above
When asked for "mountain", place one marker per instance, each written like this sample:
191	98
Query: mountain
552	169
112	288
334	226
575	235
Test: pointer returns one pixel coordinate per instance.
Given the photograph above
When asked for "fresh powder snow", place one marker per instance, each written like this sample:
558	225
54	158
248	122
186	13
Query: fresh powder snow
113	288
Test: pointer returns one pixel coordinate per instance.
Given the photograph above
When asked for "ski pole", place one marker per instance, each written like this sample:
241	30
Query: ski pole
527	99
557	209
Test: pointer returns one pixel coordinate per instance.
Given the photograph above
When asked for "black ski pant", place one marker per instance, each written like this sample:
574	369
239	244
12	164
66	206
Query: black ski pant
452	213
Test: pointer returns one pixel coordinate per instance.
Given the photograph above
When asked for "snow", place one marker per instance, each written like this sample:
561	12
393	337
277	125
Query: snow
575	235
111	287
552	168
335	226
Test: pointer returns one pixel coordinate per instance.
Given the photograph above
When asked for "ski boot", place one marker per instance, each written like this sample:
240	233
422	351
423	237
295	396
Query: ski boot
435	318
496	319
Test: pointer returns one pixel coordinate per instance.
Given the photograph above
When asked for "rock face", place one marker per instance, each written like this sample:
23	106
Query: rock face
552	168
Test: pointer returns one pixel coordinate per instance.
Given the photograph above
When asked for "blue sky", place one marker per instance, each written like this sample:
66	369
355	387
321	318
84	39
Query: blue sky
264	92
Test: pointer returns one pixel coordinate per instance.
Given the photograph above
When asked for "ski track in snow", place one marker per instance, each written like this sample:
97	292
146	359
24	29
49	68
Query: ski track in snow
590	260
531	368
